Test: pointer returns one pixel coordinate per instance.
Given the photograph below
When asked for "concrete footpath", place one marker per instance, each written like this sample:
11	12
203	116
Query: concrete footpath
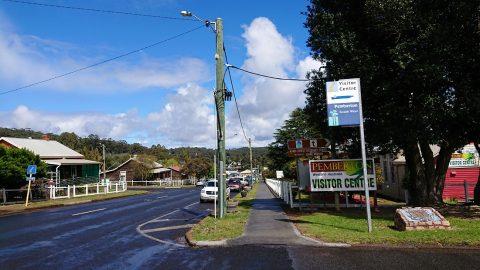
269	225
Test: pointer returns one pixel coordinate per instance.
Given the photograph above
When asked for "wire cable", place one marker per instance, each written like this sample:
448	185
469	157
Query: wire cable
97	10
101	62
234	96
268	76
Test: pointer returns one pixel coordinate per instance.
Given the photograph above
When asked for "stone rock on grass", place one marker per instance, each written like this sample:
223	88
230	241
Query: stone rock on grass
419	218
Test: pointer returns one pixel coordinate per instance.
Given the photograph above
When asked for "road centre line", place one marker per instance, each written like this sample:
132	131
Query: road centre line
88	212
160	197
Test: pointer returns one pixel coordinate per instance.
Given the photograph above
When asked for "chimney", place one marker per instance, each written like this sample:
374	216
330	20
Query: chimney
45	137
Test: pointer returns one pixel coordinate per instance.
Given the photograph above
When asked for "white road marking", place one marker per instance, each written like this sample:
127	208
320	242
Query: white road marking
191	204
160	197
140	231
168	219
88	212
168	228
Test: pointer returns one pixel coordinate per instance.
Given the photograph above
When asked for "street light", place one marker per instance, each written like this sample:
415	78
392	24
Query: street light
186	13
217	28
207	23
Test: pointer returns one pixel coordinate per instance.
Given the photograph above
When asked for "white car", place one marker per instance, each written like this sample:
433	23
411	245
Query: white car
200	183
209	192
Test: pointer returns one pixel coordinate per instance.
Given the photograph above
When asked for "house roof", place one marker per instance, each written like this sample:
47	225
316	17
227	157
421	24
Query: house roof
159	170
156	167
45	149
70	161
175	168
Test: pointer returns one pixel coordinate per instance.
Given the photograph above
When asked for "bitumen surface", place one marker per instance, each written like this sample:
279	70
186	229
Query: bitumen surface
146	232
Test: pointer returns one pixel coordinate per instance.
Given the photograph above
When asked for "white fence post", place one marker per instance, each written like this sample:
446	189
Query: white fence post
116	187
74	191
68	191
98	189
86	189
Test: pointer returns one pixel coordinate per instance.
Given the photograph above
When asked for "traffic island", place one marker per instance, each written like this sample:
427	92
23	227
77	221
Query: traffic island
349	226
7	210
215	232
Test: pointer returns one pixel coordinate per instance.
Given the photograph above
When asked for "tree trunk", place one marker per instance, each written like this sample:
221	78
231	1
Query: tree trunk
476	191
429	169
442	162
416	174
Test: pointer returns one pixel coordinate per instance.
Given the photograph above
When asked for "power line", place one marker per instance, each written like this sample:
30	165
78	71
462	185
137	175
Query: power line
98	10
102	62
234	96
268	76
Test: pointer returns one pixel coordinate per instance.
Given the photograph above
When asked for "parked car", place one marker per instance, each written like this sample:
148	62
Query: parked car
241	180
200	183
209	191
235	184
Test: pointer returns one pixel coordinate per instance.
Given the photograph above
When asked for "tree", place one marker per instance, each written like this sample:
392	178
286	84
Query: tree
409	66
297	126
142	168
170	162
159	152
197	167
13	166
70	139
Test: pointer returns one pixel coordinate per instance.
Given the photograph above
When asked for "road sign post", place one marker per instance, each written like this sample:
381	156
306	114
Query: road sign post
364	160
344	108
31	170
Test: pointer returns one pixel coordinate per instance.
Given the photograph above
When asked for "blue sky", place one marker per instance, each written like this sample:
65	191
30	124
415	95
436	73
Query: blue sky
160	95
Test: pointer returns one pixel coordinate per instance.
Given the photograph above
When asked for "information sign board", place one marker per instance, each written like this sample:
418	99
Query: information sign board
341	175
343	102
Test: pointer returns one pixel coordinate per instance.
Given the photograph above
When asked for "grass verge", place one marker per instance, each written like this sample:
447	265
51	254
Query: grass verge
350	227
17	208
233	225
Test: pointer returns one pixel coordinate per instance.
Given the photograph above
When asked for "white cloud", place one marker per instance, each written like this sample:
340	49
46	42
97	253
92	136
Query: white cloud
83	124
188	117
306	65
27	59
186	120
266	103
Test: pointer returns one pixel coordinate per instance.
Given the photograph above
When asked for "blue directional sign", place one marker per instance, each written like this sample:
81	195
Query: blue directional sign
32	169
343	102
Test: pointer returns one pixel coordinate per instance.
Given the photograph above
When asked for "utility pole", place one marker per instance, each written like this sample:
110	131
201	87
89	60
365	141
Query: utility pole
104	168
220	104
251	163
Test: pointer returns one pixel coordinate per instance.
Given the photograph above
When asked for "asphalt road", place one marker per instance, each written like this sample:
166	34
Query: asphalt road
146	232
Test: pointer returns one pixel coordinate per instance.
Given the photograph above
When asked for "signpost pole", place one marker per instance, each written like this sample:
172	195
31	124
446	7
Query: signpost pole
28	190
364	160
